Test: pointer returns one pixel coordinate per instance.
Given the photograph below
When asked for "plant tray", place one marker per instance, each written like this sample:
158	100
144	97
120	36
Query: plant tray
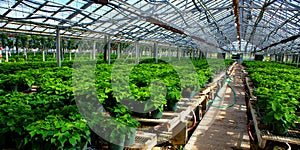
293	136
143	141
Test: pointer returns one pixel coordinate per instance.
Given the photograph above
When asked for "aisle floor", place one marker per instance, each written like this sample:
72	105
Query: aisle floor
224	128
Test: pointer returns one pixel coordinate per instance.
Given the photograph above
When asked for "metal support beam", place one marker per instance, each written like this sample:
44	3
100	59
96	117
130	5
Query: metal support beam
94	50
298	58
137	52
274	31
105	48
258	19
58	52
119	50
178	53
108	49
156	52
169	52
43	55
292	38
6	55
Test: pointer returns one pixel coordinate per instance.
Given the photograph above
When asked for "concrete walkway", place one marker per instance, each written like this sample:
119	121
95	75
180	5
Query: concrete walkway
224	128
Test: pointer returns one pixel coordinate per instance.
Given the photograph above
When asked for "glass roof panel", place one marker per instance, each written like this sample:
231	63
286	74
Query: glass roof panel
27	27
14	26
123	20
77	4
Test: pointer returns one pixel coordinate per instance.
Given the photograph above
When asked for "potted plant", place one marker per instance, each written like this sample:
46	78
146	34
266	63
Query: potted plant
131	125
123	131
173	98
280	114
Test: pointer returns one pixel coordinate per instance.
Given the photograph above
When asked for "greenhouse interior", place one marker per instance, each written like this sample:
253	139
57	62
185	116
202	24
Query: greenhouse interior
150	74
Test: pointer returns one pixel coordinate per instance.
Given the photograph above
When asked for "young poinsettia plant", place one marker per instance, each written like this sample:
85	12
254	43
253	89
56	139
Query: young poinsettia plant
280	113
277	99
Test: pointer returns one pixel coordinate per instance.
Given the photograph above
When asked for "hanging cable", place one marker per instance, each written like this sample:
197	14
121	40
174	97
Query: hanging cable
249	129
194	122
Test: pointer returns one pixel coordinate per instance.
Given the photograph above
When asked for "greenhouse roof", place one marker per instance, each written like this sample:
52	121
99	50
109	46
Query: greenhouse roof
261	25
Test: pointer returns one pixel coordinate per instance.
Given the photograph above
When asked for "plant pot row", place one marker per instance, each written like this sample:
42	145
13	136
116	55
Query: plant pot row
122	141
157	113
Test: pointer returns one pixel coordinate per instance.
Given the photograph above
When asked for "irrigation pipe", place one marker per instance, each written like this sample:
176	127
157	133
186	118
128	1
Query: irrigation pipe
220	98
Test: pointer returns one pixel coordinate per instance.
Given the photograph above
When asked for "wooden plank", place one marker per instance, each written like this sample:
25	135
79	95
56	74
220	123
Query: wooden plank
34	87
170	114
153	120
261	141
184	114
290	140
180	134
173	123
206	90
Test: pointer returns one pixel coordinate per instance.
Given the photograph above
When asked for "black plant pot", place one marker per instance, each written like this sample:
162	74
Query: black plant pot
130	138
172	105
156	114
279	129
115	147
141	115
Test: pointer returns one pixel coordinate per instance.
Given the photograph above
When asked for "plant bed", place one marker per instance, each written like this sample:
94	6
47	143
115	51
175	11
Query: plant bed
273	110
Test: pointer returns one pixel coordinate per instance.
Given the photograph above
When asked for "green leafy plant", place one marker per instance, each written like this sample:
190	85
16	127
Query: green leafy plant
276	93
59	133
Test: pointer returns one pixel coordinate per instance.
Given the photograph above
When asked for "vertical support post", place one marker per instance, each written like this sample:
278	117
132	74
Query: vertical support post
108	49
94	50
298	58
58	52
201	53
25	52
137	53
118	50
43	55
169	52
70	54
156	52
0	54
6	55
179	53
206	54
193	51
105	48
